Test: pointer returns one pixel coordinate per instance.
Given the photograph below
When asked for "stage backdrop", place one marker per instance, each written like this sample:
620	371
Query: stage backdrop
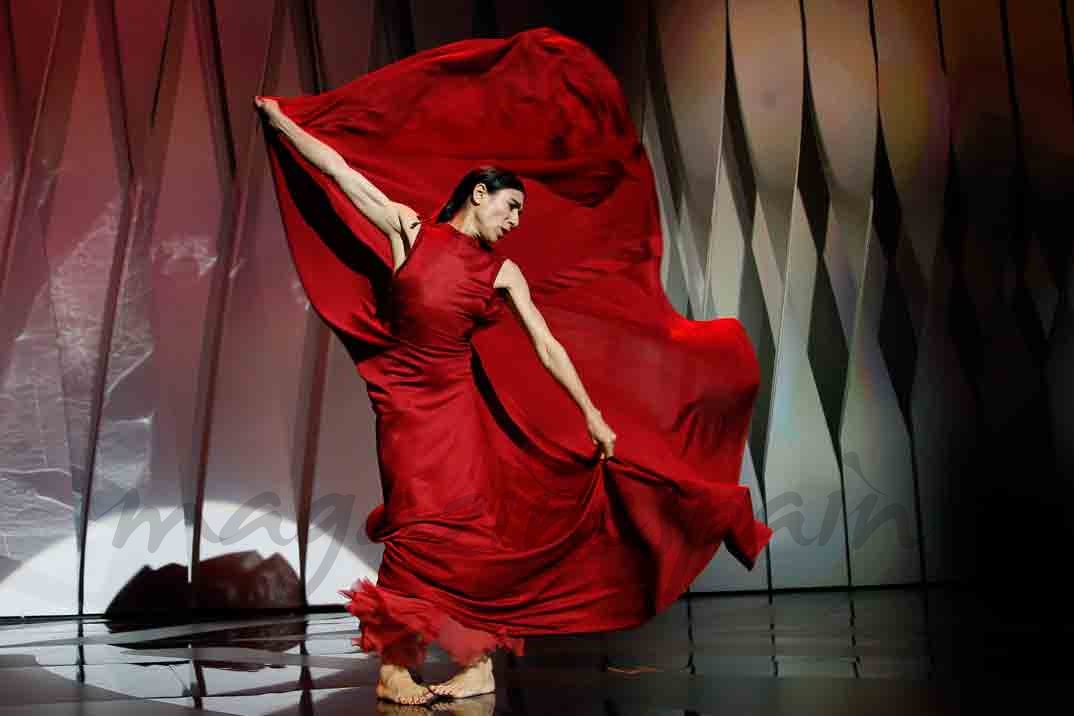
878	189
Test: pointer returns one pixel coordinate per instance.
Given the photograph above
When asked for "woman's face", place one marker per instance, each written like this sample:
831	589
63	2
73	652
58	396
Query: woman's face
498	212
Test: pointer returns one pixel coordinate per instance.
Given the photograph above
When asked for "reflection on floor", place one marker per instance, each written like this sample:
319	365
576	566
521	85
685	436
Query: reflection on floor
873	652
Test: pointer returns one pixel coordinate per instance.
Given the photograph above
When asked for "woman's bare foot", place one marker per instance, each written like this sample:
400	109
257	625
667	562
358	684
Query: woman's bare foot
474	680
396	684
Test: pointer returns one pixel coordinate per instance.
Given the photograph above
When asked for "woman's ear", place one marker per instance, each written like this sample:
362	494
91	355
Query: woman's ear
478	194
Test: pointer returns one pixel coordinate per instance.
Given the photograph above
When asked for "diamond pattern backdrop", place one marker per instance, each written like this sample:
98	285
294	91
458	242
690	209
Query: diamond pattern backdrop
877	189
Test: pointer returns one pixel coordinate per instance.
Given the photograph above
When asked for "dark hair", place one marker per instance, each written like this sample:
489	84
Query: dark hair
493	178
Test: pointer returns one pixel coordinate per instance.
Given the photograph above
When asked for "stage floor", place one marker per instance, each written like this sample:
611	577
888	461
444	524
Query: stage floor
882	651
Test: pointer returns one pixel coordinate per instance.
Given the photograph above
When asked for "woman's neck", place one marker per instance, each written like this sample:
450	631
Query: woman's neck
464	223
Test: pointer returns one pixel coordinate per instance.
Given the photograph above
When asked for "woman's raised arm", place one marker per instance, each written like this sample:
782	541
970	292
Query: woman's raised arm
395	220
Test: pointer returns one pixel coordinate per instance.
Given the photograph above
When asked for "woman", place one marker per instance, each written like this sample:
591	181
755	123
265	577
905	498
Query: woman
485	206
498	521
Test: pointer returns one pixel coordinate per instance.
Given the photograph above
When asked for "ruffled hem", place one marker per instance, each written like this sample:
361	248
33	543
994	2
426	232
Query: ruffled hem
400	628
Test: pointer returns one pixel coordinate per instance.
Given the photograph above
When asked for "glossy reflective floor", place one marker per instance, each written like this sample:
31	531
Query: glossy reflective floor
863	652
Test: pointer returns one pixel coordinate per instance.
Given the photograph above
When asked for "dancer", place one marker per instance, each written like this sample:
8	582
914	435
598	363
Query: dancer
438	302
510	508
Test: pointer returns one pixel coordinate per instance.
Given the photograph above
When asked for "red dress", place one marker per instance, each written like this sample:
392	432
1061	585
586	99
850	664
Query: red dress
498	522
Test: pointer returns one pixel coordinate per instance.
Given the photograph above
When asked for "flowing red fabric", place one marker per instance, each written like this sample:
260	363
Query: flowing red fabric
498	521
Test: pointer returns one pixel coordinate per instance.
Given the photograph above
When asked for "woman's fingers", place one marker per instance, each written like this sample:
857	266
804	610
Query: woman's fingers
604	438
263	103
607	446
